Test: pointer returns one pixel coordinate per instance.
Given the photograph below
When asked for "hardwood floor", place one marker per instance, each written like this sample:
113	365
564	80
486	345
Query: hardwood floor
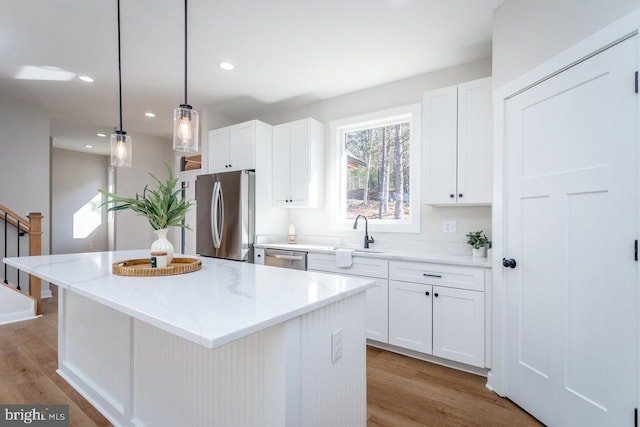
401	391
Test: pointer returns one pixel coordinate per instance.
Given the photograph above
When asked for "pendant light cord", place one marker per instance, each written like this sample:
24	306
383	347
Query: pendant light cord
185	51
120	67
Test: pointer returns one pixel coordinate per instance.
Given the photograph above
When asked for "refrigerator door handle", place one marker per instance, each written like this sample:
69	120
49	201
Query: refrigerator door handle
217	214
220	214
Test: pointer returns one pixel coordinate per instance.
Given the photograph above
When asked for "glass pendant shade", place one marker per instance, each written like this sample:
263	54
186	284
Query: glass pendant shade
185	129
120	150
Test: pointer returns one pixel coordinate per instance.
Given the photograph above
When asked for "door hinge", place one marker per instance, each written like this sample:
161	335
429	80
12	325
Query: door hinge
635	249
636	82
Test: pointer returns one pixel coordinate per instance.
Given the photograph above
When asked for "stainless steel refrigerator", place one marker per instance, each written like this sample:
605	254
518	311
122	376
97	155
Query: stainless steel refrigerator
225	215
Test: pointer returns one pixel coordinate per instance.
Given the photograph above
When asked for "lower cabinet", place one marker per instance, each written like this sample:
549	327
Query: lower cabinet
410	316
377	296
377	311
429	308
458	325
444	321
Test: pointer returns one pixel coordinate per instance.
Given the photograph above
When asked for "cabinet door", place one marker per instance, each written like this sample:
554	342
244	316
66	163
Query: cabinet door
378	311
440	112
280	178
410	315
219	150
458	325
242	146
299	153
475	142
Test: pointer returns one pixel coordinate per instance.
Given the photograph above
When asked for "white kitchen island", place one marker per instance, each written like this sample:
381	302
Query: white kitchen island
233	344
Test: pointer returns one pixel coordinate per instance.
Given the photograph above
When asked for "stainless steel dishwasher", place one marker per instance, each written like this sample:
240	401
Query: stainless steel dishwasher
296	260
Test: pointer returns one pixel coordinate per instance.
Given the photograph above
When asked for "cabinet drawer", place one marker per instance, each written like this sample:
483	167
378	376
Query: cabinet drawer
361	266
437	274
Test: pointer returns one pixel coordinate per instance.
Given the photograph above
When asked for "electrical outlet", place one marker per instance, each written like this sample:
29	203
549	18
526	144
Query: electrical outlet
336	345
449	226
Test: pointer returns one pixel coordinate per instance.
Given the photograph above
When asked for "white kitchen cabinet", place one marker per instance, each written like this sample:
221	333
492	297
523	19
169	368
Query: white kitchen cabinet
298	156
234	147
438	309
410	315
458	325
457	154
377	309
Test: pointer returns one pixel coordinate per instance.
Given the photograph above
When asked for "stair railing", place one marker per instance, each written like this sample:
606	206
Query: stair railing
33	227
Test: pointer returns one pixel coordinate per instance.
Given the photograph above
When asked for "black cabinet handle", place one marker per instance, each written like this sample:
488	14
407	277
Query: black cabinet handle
509	263
427	293
435	295
431	275
452	195
460	195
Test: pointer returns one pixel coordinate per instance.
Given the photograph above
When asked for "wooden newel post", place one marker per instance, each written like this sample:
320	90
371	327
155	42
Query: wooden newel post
35	248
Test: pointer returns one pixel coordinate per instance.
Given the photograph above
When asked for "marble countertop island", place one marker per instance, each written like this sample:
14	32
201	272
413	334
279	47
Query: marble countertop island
222	302
233	344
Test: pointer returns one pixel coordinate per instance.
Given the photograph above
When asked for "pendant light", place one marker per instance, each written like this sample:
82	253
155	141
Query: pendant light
185	118
120	141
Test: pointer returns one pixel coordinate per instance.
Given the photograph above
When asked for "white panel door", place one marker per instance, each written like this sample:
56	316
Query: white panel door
475	142
440	118
458	325
571	200
410	315
242	146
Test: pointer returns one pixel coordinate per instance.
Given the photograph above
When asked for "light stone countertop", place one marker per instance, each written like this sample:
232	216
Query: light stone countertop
222	302
390	254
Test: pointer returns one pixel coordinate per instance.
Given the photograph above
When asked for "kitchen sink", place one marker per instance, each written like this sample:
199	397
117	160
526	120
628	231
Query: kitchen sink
359	250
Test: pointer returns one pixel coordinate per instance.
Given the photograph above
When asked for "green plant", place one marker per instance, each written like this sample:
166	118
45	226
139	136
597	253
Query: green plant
477	240
162	207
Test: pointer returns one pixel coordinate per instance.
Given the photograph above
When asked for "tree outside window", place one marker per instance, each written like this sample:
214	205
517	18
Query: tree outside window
379	169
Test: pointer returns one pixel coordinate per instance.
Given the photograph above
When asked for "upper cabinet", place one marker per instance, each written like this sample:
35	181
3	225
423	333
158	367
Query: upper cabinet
457	154
234	147
298	156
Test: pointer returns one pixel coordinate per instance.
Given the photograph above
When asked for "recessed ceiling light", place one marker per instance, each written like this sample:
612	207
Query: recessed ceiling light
226	66
149	114
86	79
101	135
88	146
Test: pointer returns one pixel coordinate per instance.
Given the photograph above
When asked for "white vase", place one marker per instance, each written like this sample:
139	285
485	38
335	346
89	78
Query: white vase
480	252
162	244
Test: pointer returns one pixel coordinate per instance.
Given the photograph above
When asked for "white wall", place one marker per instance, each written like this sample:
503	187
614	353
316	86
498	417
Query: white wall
526	33
24	167
312	223
75	179
149	156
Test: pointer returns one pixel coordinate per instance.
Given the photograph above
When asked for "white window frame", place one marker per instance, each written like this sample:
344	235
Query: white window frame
338	175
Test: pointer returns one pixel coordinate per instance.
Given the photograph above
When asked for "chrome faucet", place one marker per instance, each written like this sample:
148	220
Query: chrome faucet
367	240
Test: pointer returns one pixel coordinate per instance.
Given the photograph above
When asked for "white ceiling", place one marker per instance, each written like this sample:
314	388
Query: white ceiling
286	53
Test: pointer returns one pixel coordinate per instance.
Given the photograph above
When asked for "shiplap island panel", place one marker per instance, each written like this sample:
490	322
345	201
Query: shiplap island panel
231	344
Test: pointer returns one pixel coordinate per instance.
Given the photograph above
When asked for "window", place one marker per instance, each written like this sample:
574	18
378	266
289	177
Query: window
378	169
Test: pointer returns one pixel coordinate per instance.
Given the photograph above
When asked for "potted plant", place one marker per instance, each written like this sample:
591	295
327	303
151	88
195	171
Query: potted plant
163	208
479	243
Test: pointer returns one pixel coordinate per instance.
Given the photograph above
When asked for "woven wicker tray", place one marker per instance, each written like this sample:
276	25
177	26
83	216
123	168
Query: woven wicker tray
142	267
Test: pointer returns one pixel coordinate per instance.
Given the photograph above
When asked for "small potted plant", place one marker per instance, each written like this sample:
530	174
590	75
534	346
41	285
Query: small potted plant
479	243
162	207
